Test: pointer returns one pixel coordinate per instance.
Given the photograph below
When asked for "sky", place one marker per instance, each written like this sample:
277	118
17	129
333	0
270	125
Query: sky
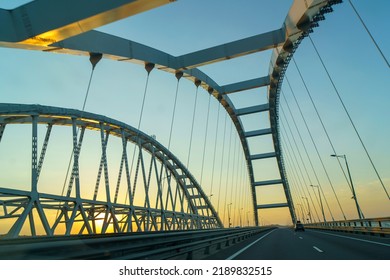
359	72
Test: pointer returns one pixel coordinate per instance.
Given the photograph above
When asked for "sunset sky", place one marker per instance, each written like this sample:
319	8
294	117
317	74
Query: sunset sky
358	70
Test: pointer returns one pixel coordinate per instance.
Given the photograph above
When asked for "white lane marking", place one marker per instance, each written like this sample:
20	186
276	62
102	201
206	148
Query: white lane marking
318	249
300	237
358	239
254	242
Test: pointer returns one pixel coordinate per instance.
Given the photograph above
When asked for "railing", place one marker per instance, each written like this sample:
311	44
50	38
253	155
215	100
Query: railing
374	226
146	245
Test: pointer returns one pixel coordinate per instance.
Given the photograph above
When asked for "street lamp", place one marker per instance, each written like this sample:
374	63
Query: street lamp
228	206
322	207
353	189
303	216
240	217
308	207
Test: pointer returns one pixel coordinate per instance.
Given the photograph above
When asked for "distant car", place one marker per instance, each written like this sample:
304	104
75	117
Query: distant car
299	226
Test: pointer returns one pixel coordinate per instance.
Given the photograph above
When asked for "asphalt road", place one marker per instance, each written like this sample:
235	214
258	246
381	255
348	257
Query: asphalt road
286	244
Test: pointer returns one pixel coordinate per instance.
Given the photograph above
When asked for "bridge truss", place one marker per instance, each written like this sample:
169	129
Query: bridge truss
72	33
171	197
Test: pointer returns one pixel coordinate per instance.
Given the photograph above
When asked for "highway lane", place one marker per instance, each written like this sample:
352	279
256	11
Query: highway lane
286	244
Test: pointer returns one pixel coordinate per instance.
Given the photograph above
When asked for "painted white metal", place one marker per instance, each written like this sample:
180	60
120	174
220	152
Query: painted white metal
69	38
39	24
190	207
245	85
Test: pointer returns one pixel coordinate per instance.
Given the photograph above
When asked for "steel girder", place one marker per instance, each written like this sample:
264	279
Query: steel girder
39	24
301	18
179	202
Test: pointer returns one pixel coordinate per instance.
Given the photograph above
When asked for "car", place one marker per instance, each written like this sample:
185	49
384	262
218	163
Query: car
299	226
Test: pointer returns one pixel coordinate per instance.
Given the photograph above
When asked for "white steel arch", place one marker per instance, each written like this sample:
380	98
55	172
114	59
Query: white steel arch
179	204
65	36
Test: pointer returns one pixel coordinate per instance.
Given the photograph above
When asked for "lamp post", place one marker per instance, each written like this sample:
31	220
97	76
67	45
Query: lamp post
228	206
308	207
353	189
303	216
322	207
240	217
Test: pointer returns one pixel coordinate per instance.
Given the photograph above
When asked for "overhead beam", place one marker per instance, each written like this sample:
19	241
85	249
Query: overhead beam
259	132
273	205
263	156
252	109
245	85
268	182
234	49
44	22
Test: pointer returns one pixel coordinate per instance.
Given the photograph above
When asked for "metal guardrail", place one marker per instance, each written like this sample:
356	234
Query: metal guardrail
374	226
152	245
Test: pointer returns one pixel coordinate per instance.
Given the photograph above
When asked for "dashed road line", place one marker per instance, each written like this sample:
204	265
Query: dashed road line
318	249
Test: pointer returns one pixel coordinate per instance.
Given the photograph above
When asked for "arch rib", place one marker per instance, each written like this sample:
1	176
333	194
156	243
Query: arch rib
200	214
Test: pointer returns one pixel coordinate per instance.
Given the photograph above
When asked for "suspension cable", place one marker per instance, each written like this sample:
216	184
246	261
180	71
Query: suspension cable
197	84
215	152
204	142
227	175
300	156
235	176
315	145
369	33
205	137
349	117
94	58
304	146
178	75
222	162
148	67
299	175
316	148
293	177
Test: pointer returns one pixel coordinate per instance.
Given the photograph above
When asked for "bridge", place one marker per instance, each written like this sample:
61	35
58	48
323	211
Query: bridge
169	129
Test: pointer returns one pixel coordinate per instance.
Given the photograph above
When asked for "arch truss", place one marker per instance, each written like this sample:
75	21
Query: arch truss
73	33
161	193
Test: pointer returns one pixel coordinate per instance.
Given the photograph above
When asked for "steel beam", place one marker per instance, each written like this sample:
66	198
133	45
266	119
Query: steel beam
34	155
268	182
273	205
252	110
263	156
259	132
234	49
42	23
245	85
75	209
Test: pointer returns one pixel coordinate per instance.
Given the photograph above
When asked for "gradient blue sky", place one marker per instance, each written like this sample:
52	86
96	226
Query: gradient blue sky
358	70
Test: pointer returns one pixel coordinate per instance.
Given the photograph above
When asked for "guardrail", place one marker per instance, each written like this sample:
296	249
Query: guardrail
374	226
152	245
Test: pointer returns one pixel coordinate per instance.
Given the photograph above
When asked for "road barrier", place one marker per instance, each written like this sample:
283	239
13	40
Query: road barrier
147	245
374	226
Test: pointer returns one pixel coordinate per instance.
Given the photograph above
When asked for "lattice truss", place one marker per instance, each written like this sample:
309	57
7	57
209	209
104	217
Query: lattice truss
160	193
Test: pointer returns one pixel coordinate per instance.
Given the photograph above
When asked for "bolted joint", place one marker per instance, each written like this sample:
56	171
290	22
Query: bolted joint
149	66
94	58
197	82
178	75
210	90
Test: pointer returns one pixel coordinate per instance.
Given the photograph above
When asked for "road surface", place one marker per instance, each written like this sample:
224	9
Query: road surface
286	244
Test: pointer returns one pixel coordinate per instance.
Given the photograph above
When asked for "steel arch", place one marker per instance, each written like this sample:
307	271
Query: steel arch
182	205
302	17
